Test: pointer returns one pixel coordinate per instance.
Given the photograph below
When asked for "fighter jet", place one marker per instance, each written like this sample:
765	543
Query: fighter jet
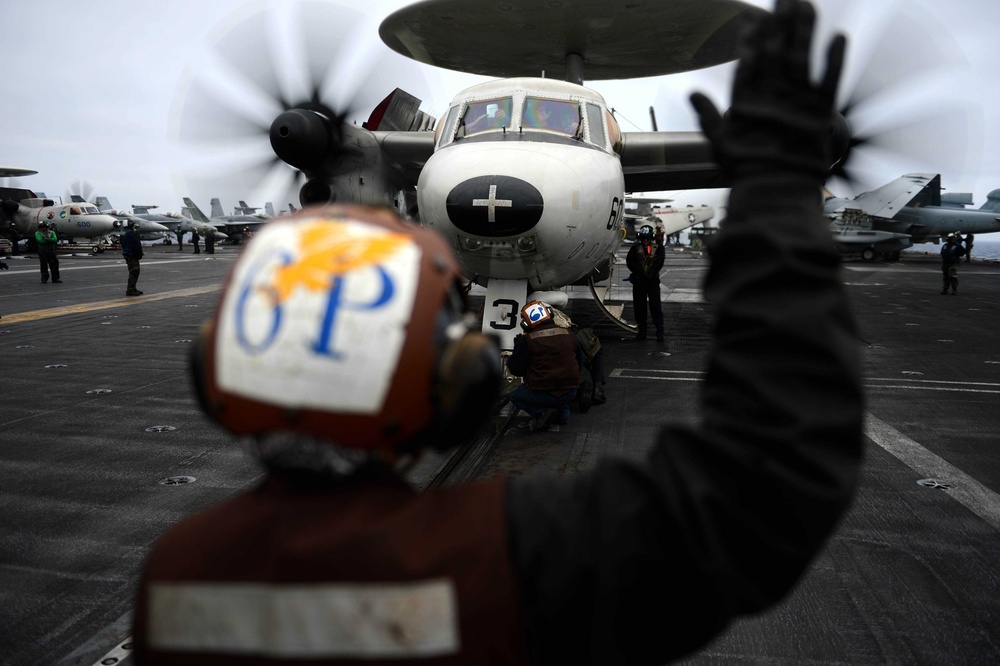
908	210
230	225
147	229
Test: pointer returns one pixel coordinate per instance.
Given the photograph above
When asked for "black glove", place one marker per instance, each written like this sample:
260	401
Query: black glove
779	119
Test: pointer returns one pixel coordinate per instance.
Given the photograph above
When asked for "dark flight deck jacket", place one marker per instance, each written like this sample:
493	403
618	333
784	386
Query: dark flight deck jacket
633	562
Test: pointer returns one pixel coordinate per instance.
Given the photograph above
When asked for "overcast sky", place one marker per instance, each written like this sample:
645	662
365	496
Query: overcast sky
93	93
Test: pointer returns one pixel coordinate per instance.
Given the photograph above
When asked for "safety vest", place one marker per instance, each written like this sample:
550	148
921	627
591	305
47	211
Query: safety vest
553	365
368	573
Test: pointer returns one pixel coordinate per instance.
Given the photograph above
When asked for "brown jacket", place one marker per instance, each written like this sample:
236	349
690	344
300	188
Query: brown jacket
366	571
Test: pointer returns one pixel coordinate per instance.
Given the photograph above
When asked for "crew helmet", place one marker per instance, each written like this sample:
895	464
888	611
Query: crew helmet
645	232
42	223
346	323
130	223
534	313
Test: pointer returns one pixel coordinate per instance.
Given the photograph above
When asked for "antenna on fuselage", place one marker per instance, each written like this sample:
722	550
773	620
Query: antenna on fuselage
652	117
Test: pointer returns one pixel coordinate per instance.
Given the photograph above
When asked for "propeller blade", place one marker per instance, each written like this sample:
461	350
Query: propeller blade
905	96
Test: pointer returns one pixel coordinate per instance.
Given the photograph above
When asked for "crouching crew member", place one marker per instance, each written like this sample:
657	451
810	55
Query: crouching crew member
547	356
340	349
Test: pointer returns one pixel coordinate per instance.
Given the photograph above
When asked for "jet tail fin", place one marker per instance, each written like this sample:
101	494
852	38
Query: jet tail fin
102	203
269	209
217	208
194	211
992	202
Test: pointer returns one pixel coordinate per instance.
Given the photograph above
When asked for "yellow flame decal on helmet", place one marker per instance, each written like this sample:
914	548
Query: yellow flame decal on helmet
328	250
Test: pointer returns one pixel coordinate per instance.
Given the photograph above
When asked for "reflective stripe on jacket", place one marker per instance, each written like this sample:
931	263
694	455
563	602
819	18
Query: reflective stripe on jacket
368	571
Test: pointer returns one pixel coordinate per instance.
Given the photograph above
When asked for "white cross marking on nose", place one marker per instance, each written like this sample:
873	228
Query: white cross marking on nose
492	203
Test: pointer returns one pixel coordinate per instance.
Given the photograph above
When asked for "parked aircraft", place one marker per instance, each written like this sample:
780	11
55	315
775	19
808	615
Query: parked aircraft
671	220
230	225
908	210
147	229
72	220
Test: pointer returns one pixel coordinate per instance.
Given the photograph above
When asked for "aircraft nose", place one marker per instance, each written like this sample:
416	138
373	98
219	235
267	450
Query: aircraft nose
155	227
494	206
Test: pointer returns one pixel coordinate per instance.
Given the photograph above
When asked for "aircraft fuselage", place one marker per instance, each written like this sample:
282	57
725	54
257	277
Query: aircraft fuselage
929	223
74	220
525	182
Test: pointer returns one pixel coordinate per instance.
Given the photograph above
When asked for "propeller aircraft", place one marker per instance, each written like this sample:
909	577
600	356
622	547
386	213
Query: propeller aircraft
71	221
525	174
671	220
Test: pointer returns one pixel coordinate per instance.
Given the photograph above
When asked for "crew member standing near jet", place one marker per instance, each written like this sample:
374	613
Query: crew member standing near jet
645	260
47	240
951	259
180	238
194	241
132	251
969	240
546	355
333	558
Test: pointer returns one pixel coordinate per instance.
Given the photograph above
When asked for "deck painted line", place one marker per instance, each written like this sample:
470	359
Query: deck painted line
124	301
964	489
907	384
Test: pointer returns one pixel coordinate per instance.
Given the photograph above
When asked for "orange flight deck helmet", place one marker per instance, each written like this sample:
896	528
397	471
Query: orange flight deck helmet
534	313
346	323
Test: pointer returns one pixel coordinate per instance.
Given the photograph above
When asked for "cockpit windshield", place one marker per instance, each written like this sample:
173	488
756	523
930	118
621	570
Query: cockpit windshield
486	115
90	210
551	114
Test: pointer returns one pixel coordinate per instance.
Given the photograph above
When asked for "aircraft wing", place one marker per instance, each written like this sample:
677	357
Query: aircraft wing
886	201
408	151
654	161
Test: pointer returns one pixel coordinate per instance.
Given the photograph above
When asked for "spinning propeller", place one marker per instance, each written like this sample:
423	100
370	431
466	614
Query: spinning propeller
284	89
81	189
904	95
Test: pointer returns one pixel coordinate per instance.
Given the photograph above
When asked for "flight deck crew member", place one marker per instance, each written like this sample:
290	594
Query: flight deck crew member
340	381
180	238
969	240
47	241
645	260
194	241
548	358
951	259
132	251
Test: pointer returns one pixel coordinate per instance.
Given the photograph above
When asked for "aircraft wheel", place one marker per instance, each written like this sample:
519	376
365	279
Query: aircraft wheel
868	254
97	249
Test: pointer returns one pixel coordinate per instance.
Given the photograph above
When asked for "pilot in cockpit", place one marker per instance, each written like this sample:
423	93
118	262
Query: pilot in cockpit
493	117
552	115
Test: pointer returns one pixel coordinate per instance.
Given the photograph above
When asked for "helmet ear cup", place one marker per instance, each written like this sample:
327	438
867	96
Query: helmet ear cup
468	383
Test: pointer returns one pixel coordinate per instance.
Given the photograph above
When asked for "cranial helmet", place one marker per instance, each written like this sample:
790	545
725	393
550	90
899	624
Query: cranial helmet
346	323
130	223
42	223
645	232
534	313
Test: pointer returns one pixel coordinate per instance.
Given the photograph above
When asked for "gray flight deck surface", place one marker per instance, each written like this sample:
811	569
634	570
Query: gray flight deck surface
90	478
